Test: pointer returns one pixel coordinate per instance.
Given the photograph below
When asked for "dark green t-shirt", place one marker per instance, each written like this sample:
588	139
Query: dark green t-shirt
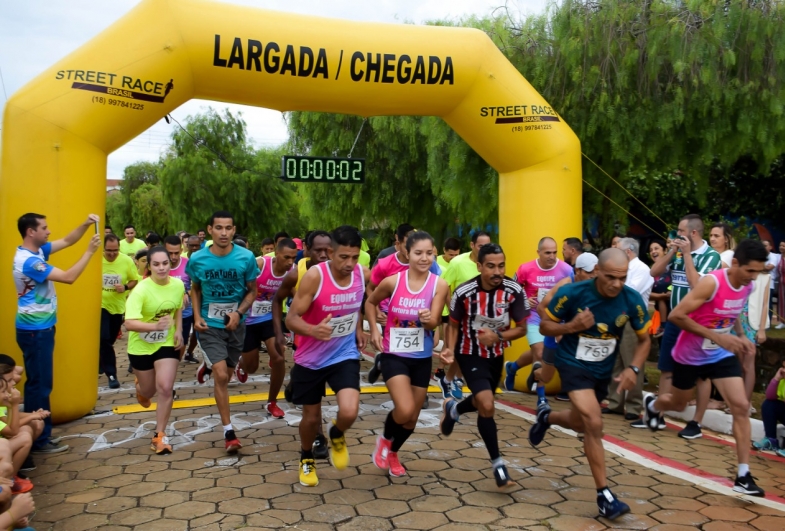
594	350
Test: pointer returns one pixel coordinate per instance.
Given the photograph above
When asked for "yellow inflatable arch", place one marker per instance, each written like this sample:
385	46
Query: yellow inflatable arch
59	128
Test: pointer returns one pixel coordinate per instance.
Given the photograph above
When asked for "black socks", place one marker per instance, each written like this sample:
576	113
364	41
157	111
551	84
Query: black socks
395	432
487	427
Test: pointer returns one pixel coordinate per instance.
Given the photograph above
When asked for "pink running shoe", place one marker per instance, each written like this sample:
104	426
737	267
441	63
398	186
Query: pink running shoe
382	452
242	376
274	410
396	468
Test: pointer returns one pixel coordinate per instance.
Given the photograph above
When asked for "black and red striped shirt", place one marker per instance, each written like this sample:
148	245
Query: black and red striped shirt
473	308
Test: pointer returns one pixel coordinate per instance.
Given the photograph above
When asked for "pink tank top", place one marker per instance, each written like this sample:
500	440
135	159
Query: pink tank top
718	313
404	334
343	305
266	286
536	281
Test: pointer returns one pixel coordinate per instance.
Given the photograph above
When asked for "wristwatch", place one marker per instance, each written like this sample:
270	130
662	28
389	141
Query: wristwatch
500	336
635	369
125	287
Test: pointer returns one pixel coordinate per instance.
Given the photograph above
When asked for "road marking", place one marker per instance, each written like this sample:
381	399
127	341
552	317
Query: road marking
652	461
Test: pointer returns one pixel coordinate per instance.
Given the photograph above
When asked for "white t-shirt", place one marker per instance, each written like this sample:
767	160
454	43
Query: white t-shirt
727	257
774	259
639	278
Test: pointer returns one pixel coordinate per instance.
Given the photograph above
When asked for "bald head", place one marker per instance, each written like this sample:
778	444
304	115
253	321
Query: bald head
546	240
613	257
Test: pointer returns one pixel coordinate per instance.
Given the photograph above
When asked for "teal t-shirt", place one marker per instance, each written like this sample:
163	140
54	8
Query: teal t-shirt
594	350
222	280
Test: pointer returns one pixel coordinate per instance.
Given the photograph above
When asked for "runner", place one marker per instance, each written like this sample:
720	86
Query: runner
131	244
480	314
571	249
193	244
325	314
140	259
154	318
463	268
119	276
384	268
689	258
259	324
705	349
201	235
36	314
268	246
585	269
536	278
178	263
319	244
402	230
416	298
590	316
223	287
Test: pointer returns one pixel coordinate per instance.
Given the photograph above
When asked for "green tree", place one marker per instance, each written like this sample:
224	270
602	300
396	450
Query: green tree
116	212
212	166
658	85
150	211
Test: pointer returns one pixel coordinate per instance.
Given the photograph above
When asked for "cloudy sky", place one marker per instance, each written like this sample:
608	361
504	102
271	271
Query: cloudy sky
34	34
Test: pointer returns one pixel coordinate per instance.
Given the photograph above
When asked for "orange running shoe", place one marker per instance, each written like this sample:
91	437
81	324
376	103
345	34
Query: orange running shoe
160	444
21	486
144	402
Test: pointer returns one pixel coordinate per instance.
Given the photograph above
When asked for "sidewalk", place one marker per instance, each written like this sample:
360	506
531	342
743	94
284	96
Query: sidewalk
110	479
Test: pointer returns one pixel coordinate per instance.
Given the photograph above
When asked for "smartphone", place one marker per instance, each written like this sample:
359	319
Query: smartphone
672	234
95	225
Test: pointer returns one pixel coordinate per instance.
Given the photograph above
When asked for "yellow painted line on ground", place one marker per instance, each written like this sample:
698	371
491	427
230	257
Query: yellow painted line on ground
241	399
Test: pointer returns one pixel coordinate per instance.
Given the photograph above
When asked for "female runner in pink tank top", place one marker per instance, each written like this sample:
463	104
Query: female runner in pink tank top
416	298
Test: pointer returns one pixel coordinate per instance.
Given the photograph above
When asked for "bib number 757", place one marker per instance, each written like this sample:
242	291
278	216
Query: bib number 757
343	326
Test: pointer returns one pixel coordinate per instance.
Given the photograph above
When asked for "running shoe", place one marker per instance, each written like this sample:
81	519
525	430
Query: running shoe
638	424
691	431
376	370
28	465
203	373
396	468
381	453
232	445
531	383
652	420
780	452
113	383
274	410
20	486
50	448
160	444
509	381
319	448
339	453
765	444
445	386
457	388
449	417
144	402
563	397
190	358
746	485
502	477
242	376
610	506
538	429
308	473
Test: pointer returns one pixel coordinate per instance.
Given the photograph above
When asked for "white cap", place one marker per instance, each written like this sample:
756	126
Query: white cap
586	261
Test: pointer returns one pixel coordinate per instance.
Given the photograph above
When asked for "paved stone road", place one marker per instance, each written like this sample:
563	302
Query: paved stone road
110	479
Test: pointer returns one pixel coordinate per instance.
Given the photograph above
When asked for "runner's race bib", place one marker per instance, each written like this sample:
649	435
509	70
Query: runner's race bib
595	349
158	336
110	281
217	310
708	344
541	292
495	324
679	278
343	326
260	308
404	340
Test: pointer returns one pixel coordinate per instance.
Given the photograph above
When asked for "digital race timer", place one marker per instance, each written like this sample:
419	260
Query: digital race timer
322	169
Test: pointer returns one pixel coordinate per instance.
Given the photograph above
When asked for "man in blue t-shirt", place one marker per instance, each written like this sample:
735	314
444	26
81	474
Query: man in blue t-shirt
223	288
36	315
591	316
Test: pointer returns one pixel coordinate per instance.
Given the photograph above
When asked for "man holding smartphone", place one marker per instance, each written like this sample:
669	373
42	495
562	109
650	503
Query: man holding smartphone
689	258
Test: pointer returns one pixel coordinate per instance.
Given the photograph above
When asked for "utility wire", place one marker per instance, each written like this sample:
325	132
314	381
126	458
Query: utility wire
623	209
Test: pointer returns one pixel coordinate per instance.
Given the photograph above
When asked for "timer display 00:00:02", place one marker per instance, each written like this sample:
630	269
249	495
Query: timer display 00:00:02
323	169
